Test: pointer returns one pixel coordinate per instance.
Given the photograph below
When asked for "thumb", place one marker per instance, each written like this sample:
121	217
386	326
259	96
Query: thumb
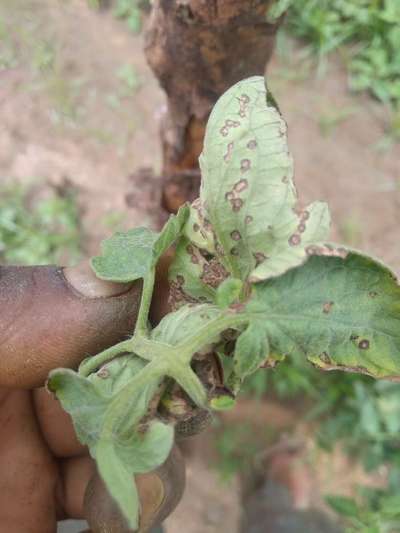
52	317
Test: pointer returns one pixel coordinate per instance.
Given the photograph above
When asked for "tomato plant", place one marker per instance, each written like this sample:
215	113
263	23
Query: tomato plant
254	280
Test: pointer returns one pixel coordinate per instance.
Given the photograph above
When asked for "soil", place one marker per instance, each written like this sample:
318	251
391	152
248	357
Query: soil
79	105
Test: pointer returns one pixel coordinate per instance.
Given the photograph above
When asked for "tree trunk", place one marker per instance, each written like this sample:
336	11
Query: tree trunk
197	49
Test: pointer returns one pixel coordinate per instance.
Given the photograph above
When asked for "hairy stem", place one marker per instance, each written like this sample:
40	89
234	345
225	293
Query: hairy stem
208	332
147	294
93	363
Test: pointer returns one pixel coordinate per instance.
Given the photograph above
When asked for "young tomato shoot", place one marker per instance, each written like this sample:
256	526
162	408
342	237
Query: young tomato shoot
254	281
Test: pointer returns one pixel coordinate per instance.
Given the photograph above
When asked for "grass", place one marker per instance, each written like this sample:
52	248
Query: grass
37	230
366	33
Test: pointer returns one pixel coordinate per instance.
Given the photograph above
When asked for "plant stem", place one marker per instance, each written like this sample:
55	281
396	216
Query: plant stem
147	294
208	332
93	363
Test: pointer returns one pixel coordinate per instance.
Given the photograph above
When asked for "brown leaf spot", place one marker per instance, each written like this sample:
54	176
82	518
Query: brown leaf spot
241	185
305	215
245	165
180	279
353	337
234	251
235	235
326	308
312	250
237	204
194	259
285	179
229	196
259	257
224	131
372	294
248	219
245	98
103	373
294	239
252	145
196	227
229	152
232	123
213	273
363	344
189	249
301	227
219	249
325	358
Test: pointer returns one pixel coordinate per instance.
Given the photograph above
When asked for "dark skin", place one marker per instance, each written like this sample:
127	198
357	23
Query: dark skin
53	318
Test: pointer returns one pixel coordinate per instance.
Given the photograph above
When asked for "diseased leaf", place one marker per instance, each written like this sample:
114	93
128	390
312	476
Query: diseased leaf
180	324
248	198
186	276
88	400
340	313
251	350
126	256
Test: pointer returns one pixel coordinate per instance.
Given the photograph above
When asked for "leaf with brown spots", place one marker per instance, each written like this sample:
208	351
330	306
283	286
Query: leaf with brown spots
248	193
323	311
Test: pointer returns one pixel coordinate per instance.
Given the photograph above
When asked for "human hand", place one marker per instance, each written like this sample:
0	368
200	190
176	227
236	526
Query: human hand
54	318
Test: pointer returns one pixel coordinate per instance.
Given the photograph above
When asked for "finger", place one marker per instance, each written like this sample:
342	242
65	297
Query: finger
28	471
159	493
52	317
56	425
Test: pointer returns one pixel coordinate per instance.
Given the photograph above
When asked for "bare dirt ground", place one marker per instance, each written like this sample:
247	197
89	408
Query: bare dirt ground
79	104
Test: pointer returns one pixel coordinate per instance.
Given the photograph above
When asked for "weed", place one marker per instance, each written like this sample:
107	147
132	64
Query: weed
38	230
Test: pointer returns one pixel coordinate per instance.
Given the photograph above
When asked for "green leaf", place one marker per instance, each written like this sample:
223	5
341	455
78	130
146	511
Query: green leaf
228	292
88	400
344	506
126	256
119	461
177	326
171	231
248	195
222	403
338	312
119	481
251	350
82	400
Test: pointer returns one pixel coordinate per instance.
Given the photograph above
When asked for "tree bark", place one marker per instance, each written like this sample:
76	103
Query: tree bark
197	49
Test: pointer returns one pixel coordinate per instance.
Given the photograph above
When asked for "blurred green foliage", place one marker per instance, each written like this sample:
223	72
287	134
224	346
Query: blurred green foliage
37	230
366	32
375	511
359	412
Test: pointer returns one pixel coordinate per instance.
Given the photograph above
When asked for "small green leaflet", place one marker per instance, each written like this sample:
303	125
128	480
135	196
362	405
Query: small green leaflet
82	400
248	194
128	256
339	313
228	292
251	349
117	463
